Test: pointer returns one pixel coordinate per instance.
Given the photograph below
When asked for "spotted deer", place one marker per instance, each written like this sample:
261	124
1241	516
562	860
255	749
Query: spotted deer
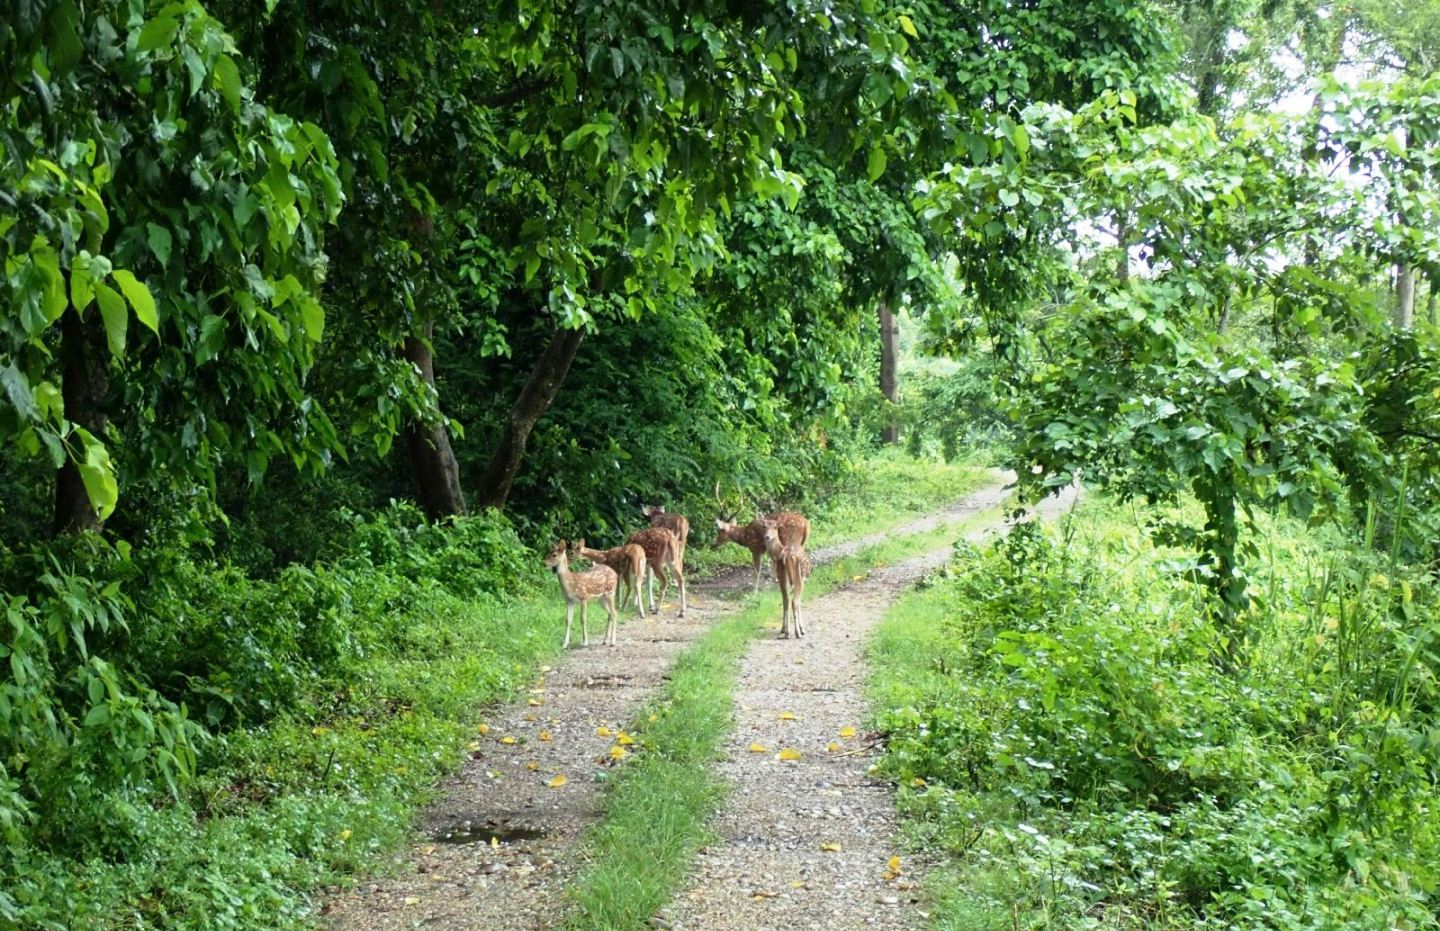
628	561
793	529
675	523
792	568
662	552
595	582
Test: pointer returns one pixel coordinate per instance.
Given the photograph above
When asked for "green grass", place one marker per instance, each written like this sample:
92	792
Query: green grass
1065	742
656	814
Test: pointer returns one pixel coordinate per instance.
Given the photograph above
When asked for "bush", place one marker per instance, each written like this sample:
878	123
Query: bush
1076	746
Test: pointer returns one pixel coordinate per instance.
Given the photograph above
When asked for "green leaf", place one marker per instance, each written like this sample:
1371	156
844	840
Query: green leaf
875	165
908	26
82	281
159	31
313	316
1008	197
227	76
160	243
140	298
112	310
98	475
53	299
17	389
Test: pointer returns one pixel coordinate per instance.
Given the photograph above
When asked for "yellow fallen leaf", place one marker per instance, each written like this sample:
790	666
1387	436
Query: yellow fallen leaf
832	747
472	746
532	765
847	732
624	739
797	884
494	842
759	748
536	701
787	715
618	753
427	850
761	894
857	578
831	847
558	781
654	718
544	668
544	735
918	782
888	876
345	834
789	753
893	864
602	731
412	900
319	730
507	739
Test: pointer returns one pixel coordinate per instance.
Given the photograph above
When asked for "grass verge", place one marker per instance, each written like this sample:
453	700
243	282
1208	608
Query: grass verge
657	812
1065	741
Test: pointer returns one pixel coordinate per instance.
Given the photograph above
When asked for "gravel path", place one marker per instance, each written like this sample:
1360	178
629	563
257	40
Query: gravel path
807	843
456	876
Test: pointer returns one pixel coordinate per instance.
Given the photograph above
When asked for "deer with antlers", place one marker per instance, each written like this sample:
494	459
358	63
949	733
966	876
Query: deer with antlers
629	563
792	527
662	551
792	568
595	582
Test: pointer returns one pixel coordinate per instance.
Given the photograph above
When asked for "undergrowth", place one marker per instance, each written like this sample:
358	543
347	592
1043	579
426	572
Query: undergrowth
1061	730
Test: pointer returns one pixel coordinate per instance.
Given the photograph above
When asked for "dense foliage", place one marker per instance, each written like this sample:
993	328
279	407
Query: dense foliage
271	271
1058	725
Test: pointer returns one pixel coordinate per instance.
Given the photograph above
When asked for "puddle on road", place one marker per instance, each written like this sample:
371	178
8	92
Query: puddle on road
468	832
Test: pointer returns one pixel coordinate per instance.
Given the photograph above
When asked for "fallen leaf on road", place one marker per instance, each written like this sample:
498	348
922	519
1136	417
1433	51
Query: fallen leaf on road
894	864
759	748
472	746
831	847
412	900
537	701
787	715
544	735
918	782
624	739
494	842
618	753
832	747
558	781
602	731
483	729
847	732
789	753
857	578
532	765
507	739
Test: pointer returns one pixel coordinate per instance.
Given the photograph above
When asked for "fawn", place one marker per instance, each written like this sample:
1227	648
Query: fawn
793	529
662	551
596	582
675	523
628	561
792	568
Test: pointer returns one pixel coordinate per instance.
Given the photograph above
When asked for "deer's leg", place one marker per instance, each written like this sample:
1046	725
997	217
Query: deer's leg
784	601
569	619
664	586
650	580
755	560
612	634
798	609
584	632
635	579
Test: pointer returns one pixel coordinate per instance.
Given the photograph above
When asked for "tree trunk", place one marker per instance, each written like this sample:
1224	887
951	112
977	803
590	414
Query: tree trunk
889	375
437	474
1404	297
1430	304
539	391
85	378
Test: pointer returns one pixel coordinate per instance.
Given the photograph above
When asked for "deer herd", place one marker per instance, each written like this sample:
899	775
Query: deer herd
660	550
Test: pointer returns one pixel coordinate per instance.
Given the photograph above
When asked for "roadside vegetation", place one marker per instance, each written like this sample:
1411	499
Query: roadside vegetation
1063	734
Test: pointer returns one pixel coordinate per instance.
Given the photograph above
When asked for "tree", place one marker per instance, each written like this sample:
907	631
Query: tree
143	181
